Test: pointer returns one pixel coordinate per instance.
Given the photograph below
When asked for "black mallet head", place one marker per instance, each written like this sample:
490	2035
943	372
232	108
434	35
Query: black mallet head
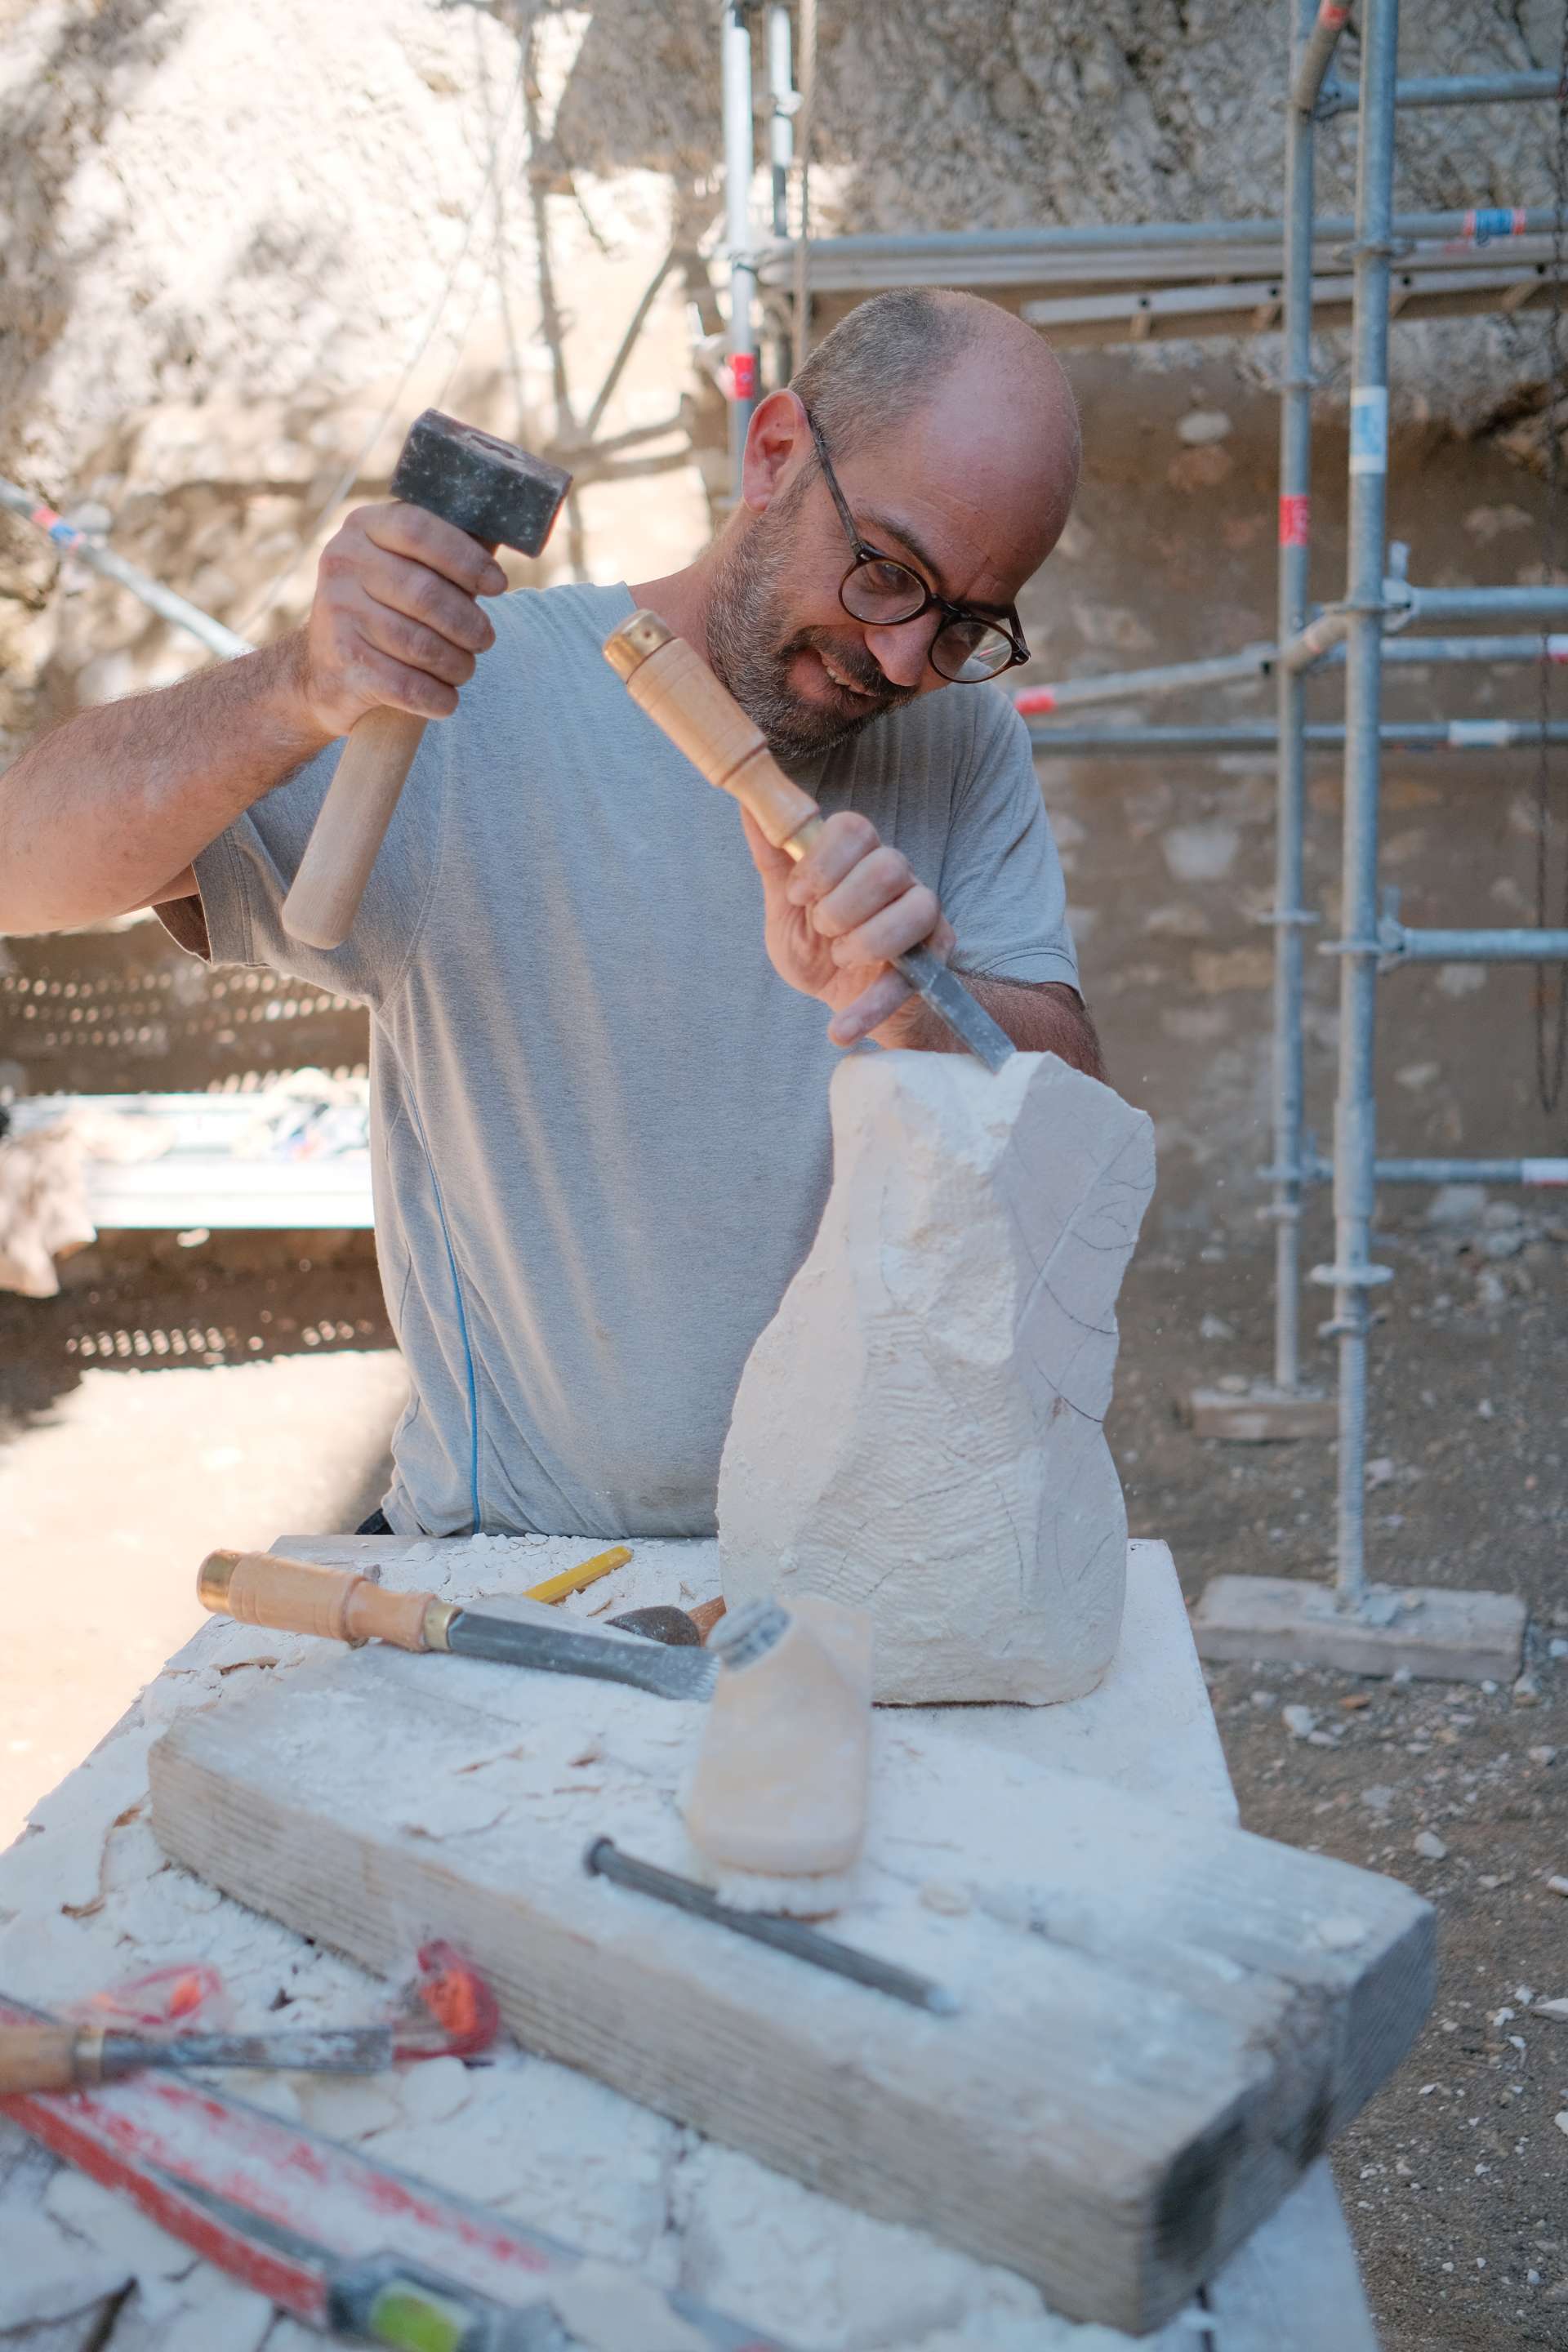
494	491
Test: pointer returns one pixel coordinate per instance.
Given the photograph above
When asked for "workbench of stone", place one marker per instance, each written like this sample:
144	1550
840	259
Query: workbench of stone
92	1900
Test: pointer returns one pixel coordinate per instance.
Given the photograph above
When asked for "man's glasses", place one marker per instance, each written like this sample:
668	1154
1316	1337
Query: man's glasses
969	645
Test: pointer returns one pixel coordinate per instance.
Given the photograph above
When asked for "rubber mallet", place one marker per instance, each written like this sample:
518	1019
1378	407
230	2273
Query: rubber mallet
499	494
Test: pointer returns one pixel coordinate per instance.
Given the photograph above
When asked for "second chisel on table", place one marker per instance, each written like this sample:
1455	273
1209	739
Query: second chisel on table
294	1596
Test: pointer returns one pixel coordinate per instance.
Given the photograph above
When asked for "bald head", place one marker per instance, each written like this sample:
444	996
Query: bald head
951	449
955	384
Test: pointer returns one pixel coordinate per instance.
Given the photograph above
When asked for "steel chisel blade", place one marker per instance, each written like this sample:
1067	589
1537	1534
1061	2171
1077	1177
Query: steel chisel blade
645	1665
964	1015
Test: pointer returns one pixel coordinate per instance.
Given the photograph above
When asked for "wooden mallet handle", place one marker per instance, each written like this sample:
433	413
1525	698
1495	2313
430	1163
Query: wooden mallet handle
292	1596
702	718
350	827
501	495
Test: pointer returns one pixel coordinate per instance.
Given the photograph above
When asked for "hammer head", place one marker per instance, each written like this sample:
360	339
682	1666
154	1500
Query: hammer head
488	487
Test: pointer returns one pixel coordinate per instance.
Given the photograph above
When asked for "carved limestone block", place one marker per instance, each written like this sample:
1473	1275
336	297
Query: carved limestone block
918	1431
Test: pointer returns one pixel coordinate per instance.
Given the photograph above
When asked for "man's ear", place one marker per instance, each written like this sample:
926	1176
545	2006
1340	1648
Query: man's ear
778	442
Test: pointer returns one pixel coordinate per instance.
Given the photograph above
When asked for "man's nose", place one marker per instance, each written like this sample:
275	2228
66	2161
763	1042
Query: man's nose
900	650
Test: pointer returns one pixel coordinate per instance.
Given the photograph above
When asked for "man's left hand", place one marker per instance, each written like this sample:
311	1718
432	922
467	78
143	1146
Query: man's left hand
834	922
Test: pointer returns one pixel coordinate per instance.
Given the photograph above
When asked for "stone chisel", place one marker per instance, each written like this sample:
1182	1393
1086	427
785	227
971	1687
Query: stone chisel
293	1596
604	1859
666	678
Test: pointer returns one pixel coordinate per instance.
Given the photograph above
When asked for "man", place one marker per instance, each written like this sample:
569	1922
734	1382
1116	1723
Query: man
599	1127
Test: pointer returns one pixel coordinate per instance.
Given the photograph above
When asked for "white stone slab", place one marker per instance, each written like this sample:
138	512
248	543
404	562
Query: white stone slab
1147	1726
1156	2021
673	2206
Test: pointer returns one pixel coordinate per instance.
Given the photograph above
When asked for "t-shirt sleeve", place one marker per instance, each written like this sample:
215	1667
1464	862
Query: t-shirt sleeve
1002	888
246	874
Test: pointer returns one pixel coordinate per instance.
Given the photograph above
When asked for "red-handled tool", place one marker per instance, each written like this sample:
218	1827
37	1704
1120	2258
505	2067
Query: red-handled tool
448	2010
339	2241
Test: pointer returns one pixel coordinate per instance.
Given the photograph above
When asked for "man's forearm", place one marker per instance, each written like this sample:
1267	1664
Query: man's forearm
111	806
1040	1017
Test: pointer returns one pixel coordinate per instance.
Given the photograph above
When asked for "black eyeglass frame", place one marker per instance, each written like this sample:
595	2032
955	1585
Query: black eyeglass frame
1005	621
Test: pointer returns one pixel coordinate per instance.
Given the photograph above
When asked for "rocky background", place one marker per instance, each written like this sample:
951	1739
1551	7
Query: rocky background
239	247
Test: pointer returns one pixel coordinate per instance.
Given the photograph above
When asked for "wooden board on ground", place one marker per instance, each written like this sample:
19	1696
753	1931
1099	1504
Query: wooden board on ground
1163	2020
1458	1637
1261	1416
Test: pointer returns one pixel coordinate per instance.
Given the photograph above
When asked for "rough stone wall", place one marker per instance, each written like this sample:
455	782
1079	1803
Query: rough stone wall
1010	112
240	247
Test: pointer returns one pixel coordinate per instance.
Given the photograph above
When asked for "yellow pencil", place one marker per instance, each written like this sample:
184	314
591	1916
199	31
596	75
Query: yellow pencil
587	1571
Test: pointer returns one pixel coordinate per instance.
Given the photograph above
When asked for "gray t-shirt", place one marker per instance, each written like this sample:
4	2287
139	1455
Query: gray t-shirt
599	1119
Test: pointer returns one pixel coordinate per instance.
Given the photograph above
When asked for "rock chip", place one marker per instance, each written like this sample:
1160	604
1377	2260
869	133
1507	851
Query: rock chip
1456	1205
1201	426
1427	1842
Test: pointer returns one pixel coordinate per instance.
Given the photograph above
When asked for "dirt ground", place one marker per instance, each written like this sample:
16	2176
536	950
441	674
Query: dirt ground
1454	2179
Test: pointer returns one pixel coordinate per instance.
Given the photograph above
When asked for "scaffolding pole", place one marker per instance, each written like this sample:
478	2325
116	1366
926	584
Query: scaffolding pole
1397	735
1475	603
1260	662
1521	1172
1444	90
1394	946
1472	1636
781	127
1352	1274
740	241
1317	37
1480	236
99	558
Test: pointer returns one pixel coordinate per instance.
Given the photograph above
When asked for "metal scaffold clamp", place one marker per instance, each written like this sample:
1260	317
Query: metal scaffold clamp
1366	1276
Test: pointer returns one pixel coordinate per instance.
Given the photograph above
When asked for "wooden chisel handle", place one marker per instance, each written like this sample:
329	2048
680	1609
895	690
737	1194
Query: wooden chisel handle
293	1596
702	718
48	2057
350	826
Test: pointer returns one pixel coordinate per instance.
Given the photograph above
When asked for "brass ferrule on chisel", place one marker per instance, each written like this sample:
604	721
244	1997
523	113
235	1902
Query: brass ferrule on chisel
628	647
87	2057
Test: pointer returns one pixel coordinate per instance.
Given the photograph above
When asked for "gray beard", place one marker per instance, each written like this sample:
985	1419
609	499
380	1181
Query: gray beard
751	652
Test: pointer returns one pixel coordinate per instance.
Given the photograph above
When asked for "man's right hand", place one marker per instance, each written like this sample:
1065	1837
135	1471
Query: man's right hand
395	619
108	811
